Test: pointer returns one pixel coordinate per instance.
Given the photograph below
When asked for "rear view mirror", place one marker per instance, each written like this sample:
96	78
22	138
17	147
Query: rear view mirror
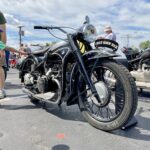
87	20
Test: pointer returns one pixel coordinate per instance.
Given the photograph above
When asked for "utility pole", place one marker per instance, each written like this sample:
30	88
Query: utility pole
21	33
128	37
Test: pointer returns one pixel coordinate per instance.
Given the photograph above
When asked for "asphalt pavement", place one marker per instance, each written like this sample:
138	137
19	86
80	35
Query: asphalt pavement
25	126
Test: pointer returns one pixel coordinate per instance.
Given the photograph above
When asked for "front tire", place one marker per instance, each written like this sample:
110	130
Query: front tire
125	106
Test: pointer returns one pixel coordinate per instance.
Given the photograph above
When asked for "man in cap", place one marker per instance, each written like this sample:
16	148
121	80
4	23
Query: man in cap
109	34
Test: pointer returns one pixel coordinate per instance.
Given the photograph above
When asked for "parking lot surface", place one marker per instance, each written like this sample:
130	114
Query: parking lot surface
25	126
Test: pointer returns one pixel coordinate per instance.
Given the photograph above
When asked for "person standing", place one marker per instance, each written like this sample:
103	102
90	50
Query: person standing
3	47
27	49
2	54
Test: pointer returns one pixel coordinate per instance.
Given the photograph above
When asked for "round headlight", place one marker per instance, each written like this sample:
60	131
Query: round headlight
90	33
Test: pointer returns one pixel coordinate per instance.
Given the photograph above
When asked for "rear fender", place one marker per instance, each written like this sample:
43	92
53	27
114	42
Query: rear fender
22	65
26	59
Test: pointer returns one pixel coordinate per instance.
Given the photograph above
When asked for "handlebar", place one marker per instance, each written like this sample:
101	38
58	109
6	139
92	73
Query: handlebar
50	28
40	27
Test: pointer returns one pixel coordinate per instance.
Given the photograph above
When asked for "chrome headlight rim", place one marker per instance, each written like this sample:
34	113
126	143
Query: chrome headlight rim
90	33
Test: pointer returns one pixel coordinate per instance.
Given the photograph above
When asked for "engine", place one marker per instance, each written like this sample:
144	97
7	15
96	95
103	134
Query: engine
39	83
42	84
28	79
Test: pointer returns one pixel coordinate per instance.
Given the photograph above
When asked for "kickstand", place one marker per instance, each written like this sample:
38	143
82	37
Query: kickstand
130	124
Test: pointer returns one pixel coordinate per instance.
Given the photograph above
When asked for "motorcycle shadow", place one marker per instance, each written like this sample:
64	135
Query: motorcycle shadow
141	131
9	85
18	107
64	112
145	95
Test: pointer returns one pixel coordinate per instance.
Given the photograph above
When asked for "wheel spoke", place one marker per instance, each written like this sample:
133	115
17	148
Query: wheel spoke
107	113
100	113
110	111
97	112
117	97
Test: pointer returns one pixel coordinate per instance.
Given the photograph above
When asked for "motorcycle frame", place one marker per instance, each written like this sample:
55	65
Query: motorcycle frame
71	50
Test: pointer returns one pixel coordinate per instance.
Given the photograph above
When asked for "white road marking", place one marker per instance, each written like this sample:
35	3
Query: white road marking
14	79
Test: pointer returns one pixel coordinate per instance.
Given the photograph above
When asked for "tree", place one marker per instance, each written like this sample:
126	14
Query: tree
144	45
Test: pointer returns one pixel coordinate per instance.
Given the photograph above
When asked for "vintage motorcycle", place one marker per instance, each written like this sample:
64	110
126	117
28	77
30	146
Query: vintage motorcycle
62	73
139	67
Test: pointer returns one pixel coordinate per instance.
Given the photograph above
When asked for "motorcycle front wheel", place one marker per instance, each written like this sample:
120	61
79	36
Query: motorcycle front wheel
117	91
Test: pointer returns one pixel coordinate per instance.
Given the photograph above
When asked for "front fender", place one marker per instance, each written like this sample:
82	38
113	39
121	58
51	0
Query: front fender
87	58
99	53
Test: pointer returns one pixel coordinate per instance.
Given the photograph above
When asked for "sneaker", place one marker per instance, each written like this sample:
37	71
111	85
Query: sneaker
2	94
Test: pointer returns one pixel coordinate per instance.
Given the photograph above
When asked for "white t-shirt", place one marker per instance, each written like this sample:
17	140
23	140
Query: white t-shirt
110	36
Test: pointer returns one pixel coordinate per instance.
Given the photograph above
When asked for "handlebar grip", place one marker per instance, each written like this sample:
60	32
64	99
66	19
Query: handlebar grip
50	28
40	27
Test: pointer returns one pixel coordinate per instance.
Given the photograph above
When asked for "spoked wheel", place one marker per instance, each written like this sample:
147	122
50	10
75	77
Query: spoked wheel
118	94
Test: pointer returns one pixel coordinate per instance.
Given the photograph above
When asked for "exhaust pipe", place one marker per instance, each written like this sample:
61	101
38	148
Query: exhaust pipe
41	96
26	91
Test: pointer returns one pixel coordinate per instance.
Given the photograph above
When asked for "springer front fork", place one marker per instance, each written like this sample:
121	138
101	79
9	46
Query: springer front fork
82	68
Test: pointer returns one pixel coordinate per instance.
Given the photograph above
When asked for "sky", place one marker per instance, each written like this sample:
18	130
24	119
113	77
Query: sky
128	18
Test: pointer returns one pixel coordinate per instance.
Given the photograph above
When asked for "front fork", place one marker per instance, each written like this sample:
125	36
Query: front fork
81	66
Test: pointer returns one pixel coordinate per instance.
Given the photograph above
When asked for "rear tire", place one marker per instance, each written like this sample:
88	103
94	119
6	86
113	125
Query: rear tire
130	102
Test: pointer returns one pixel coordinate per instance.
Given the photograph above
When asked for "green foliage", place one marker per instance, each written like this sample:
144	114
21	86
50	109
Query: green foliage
144	45
50	44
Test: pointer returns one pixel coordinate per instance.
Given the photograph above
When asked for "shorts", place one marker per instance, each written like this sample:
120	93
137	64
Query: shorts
2	60
2	45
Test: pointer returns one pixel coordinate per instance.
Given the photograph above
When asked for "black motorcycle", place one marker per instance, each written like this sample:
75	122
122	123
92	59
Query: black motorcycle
140	59
139	67
65	73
